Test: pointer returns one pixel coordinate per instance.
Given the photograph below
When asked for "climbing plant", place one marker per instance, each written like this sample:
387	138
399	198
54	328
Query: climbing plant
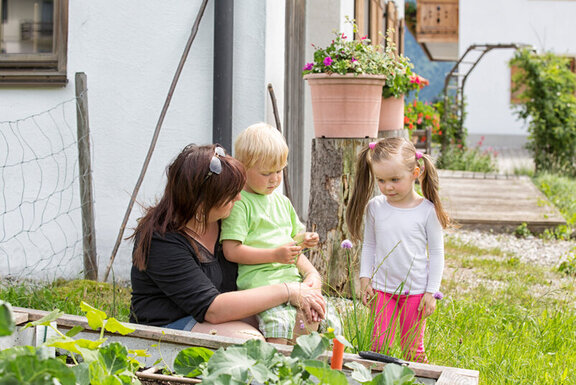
546	91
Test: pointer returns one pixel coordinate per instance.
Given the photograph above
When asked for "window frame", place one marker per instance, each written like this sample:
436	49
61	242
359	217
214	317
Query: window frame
40	69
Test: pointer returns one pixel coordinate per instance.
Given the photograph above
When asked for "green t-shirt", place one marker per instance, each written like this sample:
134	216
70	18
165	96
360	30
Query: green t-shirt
266	222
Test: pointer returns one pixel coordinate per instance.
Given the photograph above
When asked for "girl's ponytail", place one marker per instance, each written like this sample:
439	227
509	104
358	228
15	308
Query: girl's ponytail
430	186
363	190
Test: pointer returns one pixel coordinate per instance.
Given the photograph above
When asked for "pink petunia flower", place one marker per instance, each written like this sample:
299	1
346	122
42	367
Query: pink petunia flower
308	66
327	61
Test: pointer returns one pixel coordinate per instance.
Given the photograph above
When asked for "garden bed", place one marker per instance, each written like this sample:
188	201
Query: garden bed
169	342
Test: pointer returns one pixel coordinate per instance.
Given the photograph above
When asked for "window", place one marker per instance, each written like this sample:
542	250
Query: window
33	42
375	18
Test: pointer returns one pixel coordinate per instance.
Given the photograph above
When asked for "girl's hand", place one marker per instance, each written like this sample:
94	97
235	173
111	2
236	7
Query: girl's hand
309	300
366	290
427	305
287	254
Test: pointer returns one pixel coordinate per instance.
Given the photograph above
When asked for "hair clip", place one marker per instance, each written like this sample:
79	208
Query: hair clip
372	145
419	155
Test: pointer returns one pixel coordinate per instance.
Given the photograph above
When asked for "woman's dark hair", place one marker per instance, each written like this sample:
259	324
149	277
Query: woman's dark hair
192	190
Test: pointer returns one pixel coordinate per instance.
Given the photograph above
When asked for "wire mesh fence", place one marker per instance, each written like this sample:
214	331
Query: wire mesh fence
40	204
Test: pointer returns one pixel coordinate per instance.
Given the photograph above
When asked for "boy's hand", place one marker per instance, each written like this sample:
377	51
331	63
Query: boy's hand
308	239
287	254
366	290
427	305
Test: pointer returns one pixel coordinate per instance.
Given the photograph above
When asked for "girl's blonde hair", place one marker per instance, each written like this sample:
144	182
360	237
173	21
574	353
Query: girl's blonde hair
261	144
364	184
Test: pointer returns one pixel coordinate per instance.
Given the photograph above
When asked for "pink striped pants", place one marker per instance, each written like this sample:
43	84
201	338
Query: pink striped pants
391	310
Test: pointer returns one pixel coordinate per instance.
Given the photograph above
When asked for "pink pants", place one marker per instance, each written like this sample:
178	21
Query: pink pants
387	309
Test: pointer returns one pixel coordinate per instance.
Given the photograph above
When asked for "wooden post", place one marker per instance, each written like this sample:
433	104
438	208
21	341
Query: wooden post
333	170
85	170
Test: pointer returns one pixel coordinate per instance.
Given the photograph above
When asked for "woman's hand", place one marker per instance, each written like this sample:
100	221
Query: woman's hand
366	290
310	300
427	305
313	280
287	254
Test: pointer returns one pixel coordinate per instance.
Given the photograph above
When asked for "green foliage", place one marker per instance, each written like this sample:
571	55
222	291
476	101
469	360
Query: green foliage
110	364
450	123
258	361
400	79
66	295
547	88
522	231
6	319
559	190
568	267
458	157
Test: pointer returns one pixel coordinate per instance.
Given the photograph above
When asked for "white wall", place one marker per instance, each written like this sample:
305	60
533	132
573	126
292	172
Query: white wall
548	25
129	51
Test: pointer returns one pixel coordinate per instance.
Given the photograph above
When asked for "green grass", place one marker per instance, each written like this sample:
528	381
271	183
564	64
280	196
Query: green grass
67	295
560	191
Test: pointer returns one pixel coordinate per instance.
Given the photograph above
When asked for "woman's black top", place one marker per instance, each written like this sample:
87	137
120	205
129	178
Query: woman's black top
178	281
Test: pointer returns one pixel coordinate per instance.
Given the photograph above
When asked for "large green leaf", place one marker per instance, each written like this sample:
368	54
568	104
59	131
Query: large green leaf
114	326
325	374
360	373
222	379
114	358
82	372
188	360
393	374
31	370
46	320
95	317
236	362
310	346
6	319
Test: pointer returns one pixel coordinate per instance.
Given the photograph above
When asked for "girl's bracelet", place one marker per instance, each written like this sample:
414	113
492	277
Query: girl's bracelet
288	289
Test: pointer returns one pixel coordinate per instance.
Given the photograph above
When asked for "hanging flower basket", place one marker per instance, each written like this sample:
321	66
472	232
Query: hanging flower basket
345	106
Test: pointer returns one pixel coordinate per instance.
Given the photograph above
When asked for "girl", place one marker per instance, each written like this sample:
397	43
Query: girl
400	226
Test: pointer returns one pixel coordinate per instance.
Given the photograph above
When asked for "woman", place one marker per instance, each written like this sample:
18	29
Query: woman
180	278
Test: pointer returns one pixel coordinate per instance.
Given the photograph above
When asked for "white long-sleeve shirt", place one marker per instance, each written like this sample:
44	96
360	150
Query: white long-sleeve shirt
394	249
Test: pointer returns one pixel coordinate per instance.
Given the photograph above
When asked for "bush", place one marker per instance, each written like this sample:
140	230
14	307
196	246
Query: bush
546	89
458	157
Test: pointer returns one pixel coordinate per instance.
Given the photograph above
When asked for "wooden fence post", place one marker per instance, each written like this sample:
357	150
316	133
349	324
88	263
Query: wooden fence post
333	171
85	170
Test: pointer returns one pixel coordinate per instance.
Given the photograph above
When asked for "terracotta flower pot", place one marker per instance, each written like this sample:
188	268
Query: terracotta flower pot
345	106
391	114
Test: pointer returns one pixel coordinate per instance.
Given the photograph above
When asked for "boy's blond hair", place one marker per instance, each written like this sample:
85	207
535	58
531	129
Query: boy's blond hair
261	144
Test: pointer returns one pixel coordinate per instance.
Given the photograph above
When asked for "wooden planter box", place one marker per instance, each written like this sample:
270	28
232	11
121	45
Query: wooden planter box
437	21
170	342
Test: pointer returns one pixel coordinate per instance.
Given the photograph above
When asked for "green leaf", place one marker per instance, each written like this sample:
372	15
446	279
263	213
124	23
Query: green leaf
360	373
31	370
236	362
188	360
46	320
325	374
222	379
82	373
74	331
309	346
95	317
393	374
7	326
114	326
260	350
114	357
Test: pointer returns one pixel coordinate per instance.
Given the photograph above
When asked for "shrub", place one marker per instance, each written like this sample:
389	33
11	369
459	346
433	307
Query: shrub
458	157
546	89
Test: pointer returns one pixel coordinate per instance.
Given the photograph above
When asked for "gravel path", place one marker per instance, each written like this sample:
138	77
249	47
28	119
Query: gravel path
528	250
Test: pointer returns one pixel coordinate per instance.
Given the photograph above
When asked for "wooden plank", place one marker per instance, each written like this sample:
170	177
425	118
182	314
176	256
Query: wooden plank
458	377
20	317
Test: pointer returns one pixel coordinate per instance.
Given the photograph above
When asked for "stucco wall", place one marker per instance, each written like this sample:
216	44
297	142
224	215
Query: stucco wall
129	51
546	24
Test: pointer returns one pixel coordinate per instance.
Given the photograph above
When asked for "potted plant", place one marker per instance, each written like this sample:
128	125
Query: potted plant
346	80
401	80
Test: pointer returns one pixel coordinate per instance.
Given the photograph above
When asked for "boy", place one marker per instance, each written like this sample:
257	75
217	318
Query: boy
263	233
